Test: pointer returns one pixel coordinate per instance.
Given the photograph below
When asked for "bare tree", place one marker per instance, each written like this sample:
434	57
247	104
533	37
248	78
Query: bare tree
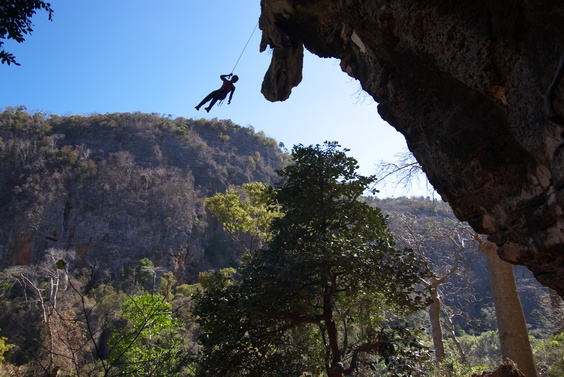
31	278
434	241
401	174
511	323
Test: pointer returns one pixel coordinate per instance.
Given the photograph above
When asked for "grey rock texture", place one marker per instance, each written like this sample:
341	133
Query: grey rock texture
465	83
109	190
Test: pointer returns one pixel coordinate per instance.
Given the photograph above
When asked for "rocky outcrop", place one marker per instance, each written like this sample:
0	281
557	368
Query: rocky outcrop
464	82
109	190
507	369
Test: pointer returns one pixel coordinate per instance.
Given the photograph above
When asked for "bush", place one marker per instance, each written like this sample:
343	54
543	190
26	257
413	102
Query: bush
4	347
549	355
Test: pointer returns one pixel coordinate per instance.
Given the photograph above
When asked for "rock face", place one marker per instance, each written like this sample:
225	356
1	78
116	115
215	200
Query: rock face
464	82
109	190
507	369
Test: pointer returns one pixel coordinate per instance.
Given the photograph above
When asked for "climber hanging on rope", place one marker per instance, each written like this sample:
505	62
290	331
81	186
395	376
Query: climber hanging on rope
227	87
221	93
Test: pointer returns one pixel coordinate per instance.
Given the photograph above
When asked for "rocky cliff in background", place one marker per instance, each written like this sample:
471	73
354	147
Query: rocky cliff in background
465	82
109	190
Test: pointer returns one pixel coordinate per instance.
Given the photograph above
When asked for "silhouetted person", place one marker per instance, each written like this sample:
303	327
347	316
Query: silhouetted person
221	93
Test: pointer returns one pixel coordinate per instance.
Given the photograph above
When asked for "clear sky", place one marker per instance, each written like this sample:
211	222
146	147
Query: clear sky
105	56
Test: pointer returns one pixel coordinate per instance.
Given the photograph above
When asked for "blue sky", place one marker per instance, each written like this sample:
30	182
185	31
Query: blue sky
102	56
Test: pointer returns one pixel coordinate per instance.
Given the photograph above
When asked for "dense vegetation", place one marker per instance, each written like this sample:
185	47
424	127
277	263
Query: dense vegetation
315	299
92	286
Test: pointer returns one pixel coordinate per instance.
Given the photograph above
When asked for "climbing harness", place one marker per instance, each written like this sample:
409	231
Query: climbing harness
220	102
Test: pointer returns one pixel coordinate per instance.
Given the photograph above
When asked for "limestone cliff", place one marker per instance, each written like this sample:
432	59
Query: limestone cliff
109	190
464	82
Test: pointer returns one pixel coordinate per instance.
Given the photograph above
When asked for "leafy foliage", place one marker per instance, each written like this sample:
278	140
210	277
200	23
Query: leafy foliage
549	354
149	344
15	22
237	341
4	347
244	210
330	263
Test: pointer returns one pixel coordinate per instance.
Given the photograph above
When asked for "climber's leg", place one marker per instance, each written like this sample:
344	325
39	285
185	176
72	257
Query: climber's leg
214	100
208	97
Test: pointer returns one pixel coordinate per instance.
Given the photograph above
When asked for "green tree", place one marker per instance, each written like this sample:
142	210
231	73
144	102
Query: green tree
548	353
244	210
150	342
146	275
15	22
314	300
4	347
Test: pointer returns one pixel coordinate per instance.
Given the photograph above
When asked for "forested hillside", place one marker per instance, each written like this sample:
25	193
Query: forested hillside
113	189
450	251
443	240
117	188
105	243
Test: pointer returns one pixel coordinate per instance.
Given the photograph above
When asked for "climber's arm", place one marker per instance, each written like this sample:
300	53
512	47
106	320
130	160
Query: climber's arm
231	96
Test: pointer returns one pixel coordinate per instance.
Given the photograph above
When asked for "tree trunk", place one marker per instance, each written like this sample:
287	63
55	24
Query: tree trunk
336	369
450	327
436	330
511	325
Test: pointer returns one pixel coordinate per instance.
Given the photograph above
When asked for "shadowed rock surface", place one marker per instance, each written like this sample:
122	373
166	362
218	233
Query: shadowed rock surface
506	369
465	83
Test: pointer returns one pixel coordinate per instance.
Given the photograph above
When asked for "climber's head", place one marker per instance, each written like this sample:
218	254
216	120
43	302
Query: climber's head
235	78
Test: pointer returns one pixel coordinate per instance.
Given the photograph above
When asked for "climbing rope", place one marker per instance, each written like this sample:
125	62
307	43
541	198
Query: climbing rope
244	48
220	102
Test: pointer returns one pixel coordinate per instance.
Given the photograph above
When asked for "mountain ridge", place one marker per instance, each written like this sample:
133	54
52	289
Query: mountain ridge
113	189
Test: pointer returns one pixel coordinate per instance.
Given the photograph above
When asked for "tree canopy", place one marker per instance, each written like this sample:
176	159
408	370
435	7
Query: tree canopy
245	210
149	344
15	22
315	298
